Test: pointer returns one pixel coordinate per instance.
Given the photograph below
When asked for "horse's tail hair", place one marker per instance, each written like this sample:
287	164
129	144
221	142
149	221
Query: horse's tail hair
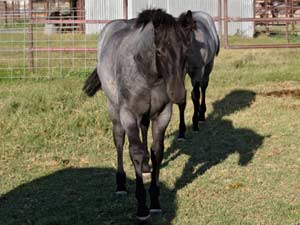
218	46
92	84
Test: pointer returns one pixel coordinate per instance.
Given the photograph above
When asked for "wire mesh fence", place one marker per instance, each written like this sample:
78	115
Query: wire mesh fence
276	25
48	44
52	39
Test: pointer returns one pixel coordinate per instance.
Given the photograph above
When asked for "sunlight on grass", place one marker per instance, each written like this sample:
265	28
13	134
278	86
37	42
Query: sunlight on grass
58	161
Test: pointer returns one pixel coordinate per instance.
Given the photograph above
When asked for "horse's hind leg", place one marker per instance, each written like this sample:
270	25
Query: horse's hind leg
203	85
137	155
182	127
202	108
195	98
158	132
144	128
119	136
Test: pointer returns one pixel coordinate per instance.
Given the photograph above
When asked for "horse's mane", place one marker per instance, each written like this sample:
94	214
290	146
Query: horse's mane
157	17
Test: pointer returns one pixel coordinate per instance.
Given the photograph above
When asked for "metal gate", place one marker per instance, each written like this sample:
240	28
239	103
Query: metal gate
284	15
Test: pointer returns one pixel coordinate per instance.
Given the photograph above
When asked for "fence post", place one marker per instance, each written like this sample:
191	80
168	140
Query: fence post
31	60
82	15
5	13
13	9
220	20
18	10
254	16
287	9
225	24
125	9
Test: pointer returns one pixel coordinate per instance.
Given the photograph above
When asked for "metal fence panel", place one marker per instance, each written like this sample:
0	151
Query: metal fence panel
36	45
33	44
279	24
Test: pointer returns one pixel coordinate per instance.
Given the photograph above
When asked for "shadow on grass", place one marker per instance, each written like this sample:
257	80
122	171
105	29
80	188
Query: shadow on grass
86	196
76	196
216	140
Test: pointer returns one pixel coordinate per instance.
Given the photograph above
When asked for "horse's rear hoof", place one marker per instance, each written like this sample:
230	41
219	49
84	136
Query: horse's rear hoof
181	139
143	214
156	211
143	218
201	120
181	136
121	183
121	193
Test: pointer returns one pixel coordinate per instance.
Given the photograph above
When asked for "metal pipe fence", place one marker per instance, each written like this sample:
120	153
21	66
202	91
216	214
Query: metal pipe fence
273	20
34	44
37	43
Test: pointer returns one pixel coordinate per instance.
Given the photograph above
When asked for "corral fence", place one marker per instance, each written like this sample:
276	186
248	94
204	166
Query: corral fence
58	38
279	19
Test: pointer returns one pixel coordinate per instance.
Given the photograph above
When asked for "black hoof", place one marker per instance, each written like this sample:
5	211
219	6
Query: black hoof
143	218
202	123
143	214
121	193
156	211
202	119
181	137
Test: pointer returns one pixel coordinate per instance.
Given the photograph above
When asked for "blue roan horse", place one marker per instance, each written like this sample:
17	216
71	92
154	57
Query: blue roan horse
141	69
205	46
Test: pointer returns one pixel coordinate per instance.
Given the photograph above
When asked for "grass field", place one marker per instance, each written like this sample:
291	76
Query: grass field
58	162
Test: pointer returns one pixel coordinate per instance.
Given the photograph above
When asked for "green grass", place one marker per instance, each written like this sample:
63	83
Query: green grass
276	35
279	38
58	161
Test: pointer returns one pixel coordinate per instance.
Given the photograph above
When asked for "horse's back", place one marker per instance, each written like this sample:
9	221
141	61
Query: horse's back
108	32
207	42
108	44
120	43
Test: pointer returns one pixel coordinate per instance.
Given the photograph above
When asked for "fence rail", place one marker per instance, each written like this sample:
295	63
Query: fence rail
267	20
43	43
38	45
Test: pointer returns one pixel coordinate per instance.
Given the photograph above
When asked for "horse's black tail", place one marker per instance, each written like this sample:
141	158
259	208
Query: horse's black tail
218	47
92	84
